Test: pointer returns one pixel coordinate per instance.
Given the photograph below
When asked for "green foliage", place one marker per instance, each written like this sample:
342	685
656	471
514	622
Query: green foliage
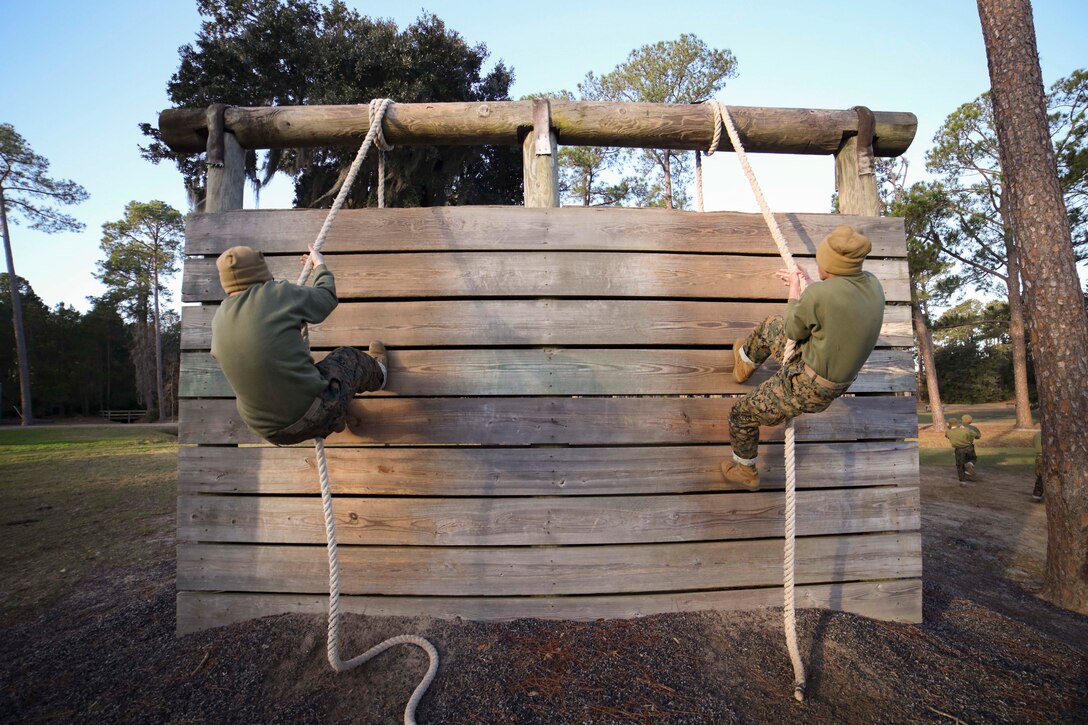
80	362
27	191
684	70
965	154
925	209
301	52
974	353
141	252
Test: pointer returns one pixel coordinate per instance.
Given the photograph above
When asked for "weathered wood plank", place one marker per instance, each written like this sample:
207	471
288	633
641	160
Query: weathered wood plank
544	274
565	372
547	521
895	600
557	322
504	228
510	571
588	123
534	471
550	421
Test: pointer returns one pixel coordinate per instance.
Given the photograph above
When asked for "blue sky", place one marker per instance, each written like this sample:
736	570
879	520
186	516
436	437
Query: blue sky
77	78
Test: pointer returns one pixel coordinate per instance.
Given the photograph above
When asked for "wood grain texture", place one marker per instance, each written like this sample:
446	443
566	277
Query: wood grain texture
543	521
544	274
551	421
587	123
555	322
565	372
510	571
895	600
472	471
505	228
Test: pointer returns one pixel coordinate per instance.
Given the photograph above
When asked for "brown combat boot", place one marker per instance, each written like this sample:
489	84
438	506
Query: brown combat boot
377	351
744	476
741	370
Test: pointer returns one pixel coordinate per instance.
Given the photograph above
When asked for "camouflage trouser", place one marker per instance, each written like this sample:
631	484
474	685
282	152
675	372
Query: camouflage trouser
346	371
964	456
1038	492
793	390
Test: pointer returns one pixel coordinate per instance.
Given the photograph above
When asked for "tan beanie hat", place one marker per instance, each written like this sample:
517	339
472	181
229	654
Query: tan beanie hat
966	419
842	251
240	267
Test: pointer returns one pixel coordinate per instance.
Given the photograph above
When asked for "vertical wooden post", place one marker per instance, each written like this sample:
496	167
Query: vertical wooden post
226	183
855	177
226	164
540	159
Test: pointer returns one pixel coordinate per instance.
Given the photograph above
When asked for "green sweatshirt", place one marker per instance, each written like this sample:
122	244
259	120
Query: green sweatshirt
977	432
837	321
961	437
257	339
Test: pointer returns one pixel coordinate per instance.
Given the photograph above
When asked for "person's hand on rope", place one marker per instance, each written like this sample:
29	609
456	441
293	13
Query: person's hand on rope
316	256
794	278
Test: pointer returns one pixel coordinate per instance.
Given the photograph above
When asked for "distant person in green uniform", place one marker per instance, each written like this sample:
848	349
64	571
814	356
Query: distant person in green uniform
282	395
962	437
1037	494
973	458
835	323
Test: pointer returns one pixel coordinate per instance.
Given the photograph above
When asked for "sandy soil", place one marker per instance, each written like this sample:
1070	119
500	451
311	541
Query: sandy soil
989	651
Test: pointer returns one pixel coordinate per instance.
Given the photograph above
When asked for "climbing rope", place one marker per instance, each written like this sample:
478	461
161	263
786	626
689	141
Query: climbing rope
374	136
721	116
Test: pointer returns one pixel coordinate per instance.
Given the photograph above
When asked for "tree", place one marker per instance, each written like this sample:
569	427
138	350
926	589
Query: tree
924	208
294	52
966	153
142	252
27	192
685	70
1055	307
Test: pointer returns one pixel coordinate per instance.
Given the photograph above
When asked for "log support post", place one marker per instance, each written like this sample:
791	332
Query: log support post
540	159
855	173
226	161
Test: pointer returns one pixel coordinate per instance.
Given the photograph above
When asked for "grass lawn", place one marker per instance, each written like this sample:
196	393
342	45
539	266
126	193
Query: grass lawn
77	499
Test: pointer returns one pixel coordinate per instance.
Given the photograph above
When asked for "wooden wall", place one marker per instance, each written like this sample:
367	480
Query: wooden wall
549	443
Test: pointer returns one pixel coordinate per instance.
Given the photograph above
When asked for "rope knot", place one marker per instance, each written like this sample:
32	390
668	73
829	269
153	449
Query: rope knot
378	107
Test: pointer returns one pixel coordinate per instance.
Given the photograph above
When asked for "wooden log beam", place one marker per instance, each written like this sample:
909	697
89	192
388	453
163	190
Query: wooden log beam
576	123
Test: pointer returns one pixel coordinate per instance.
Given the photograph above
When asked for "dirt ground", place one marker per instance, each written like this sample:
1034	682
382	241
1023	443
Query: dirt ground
989	651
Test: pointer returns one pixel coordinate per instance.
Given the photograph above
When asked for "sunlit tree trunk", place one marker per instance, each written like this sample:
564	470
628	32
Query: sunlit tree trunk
929	367
1018	338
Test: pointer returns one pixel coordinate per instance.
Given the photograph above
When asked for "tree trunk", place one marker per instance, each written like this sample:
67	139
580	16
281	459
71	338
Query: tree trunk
929	367
21	355
1017	336
158	346
667	167
1055	305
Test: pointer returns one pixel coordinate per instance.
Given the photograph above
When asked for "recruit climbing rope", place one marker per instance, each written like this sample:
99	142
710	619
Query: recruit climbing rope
721	116
374	136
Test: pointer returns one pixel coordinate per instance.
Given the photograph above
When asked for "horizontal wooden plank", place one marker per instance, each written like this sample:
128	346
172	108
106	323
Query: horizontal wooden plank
543	521
544	274
895	600
550	421
462	471
565	372
509	228
553	322
509	571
